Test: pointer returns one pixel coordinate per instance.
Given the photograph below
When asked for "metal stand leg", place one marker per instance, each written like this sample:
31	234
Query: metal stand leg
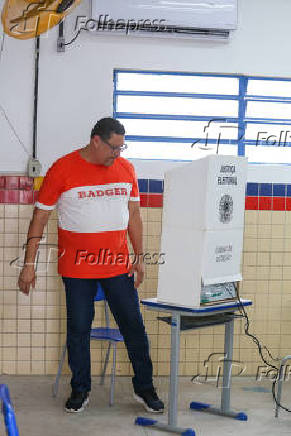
279	391
56	383
227	366
105	364
112	382
226	383
173	388
280	381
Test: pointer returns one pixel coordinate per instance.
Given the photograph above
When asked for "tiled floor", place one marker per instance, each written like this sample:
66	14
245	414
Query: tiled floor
38	414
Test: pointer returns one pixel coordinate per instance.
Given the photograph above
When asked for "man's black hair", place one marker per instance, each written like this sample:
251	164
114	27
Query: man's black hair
106	127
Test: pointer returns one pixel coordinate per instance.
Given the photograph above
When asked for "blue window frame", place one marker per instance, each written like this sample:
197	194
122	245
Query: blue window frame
183	116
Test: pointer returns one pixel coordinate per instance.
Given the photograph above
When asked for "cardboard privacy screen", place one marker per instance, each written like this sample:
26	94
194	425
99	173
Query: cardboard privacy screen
202	229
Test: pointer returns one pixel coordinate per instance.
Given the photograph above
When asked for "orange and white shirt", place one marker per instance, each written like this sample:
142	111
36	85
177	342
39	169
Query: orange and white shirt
92	205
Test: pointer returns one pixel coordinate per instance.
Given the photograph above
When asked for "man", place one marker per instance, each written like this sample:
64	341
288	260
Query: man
97	199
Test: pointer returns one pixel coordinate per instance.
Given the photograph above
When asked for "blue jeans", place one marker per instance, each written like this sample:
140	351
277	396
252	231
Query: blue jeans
123	301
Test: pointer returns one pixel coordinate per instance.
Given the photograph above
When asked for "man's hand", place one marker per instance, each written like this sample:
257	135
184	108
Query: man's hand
137	267
27	276
26	279
135	236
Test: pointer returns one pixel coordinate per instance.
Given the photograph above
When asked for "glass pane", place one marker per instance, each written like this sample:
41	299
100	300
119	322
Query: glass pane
177	83
272	155
264	109
177	106
180	129
177	151
270	134
272	88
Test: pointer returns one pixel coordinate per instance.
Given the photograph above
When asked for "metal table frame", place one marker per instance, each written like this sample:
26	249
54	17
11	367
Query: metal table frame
224	410
280	382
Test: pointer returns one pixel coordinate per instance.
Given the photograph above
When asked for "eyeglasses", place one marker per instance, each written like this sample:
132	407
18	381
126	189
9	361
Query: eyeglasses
116	149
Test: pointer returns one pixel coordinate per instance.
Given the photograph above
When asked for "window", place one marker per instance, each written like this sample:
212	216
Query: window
183	116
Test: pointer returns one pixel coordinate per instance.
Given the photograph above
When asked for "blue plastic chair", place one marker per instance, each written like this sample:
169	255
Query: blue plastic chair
8	412
104	333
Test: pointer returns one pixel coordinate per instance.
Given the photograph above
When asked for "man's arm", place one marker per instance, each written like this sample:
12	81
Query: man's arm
135	231
27	275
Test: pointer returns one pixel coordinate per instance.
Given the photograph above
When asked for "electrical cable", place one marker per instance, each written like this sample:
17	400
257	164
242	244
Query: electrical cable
2	46
254	338
244	315
76	36
260	348
35	96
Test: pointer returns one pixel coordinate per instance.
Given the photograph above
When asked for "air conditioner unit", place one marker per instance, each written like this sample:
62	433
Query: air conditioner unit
206	19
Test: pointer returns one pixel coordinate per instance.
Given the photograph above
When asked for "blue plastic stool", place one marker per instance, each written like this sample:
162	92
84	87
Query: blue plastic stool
103	333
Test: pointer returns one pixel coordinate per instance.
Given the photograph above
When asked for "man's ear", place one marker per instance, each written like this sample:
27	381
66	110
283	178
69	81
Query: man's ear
96	140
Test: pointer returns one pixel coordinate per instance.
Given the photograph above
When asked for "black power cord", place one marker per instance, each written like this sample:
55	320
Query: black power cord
261	348
77	34
75	37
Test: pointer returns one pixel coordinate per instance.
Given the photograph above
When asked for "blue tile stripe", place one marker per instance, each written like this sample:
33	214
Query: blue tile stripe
143	185
253	189
156	186
279	190
265	189
153	186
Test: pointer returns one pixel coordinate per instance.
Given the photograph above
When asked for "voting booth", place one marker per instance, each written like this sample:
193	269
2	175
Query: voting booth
202	230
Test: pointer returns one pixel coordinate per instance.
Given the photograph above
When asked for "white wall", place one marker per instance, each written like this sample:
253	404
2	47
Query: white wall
76	87
16	98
